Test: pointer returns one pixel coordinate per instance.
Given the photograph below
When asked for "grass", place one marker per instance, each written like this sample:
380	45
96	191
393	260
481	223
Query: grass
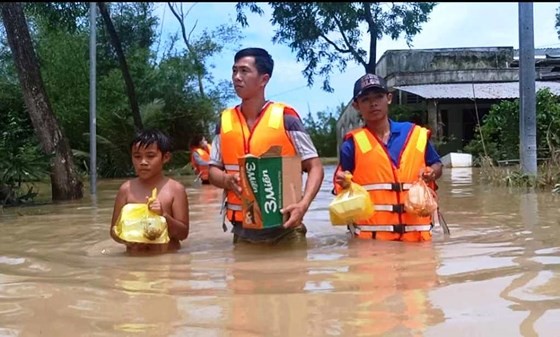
547	177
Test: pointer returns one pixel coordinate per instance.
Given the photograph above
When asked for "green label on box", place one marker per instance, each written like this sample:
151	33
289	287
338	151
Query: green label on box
265	179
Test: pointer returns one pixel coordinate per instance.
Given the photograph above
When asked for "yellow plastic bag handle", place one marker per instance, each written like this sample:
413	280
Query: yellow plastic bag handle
153	197
348	181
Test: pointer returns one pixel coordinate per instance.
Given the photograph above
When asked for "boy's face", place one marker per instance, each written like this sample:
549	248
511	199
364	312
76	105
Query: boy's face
246	79
148	160
373	105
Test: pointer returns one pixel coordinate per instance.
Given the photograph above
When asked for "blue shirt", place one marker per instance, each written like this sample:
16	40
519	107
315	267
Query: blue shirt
395	144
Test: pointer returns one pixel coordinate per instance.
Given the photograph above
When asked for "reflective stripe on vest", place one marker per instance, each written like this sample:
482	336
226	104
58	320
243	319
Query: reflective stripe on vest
233	207
392	228
388	187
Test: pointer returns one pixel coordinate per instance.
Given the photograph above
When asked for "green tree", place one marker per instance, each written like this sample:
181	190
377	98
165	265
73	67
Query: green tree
117	45
165	79
499	133
65	181
322	129
329	35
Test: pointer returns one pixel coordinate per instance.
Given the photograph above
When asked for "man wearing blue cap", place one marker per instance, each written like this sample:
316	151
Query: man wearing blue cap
386	158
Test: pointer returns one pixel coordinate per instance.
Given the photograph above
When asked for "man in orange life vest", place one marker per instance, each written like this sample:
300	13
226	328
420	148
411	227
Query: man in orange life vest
386	157
200	156
252	127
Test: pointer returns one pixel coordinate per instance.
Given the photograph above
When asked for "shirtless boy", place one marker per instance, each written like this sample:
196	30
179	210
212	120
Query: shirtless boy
151	150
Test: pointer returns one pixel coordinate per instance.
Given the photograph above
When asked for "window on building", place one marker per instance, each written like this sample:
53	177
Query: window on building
412	98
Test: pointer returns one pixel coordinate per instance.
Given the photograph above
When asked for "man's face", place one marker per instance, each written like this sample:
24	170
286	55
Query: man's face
373	105
247	81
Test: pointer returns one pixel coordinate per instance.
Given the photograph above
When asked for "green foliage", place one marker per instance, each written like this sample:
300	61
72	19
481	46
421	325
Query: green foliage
165	80
499	133
322	129
405	113
557	22
328	35
21	160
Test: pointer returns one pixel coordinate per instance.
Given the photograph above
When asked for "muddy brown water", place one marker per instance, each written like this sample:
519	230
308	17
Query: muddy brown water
498	274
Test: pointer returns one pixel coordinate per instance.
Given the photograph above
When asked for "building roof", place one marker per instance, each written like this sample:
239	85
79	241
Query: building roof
490	90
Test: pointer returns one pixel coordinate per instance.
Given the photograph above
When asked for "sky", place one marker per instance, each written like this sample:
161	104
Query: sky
450	25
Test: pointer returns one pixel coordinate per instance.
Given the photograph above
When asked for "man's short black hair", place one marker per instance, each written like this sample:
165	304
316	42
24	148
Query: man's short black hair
263	60
196	139
148	137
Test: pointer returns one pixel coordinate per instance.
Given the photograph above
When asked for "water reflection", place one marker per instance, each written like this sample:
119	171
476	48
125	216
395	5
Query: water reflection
497	274
461	181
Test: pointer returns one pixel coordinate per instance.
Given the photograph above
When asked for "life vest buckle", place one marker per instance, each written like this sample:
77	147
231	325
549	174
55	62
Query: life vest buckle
398	208
397	187
399	229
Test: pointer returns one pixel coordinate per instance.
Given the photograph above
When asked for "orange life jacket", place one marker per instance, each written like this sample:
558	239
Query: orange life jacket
387	184
237	140
204	155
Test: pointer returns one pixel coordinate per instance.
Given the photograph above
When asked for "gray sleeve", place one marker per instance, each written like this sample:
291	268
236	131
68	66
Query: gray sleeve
300	137
216	153
303	144
199	159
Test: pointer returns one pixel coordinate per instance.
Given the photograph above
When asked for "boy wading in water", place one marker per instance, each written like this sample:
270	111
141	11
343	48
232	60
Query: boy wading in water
151	150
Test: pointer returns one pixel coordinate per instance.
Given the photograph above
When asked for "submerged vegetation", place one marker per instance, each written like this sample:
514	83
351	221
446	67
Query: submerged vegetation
497	140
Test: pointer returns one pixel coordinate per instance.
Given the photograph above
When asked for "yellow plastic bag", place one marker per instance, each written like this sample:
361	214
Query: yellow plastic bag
137	223
350	205
421	199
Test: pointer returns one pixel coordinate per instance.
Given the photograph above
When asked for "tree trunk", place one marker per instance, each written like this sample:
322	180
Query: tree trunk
66	183
197	64
116	42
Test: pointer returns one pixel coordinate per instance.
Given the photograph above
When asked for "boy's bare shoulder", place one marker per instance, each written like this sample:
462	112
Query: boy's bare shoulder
125	187
175	185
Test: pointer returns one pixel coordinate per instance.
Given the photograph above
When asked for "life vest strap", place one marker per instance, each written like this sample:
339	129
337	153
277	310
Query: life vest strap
392	228
233	207
397	187
397	208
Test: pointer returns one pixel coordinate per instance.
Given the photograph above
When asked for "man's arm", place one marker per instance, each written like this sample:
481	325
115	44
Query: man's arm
346	164
315	175
311	163
433	160
216	174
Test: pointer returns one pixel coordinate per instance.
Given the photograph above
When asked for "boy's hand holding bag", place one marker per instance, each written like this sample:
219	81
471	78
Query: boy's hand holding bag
138	224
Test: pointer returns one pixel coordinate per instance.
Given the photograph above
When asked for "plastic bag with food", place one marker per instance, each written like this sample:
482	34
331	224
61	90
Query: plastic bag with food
351	204
421	199
138	224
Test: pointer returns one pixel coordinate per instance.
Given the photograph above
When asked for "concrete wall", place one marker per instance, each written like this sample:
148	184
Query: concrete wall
456	76
422	60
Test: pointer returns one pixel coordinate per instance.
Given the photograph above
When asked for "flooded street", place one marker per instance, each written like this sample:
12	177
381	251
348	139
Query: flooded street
498	274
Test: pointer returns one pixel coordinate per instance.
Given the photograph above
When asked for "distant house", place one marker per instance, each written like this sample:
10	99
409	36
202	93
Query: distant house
449	86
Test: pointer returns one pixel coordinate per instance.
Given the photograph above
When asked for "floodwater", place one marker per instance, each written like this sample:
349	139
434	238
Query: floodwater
498	274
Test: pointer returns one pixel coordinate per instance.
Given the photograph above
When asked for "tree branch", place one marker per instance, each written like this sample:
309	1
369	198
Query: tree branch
192	51
345	38
373	38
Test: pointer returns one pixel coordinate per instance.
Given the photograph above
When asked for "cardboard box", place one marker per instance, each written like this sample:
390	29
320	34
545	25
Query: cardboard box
269	182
